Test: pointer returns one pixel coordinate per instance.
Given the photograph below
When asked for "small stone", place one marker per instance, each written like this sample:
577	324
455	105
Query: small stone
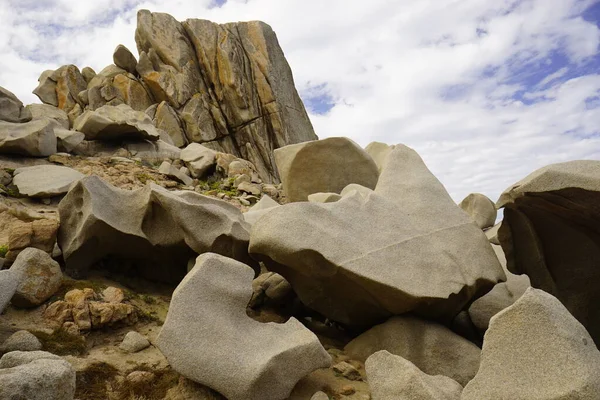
347	390
113	295
347	371
21	341
134	342
70	328
140	377
241	179
243	201
319	396
251	188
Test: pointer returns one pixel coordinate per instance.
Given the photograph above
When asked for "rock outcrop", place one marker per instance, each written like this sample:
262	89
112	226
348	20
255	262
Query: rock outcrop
405	246
480	208
433	348
392	377
551	232
535	349
230	85
36	375
324	166
11	108
45	180
207	323
155	229
46	111
116	123
34	138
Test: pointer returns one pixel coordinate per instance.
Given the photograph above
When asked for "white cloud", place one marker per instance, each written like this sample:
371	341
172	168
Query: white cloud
459	80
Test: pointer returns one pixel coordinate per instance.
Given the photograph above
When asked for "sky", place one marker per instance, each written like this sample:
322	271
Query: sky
485	91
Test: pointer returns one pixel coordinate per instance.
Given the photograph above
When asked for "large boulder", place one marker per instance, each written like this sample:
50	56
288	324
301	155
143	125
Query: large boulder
46	111
123	58
11	108
551	232
67	140
536	349
9	281
480	208
405	246
207	324
324	166
502	296
34	138
36	375
41	277
433	348
156	230
230	85
392	377
198	159
114	86
116	123
45	180
21	341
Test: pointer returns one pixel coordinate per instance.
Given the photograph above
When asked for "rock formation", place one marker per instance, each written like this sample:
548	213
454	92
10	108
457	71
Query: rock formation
159	229
551	232
481	209
535	349
45	181
403	247
207	323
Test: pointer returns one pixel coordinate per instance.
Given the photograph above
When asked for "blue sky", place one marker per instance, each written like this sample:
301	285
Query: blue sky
485	91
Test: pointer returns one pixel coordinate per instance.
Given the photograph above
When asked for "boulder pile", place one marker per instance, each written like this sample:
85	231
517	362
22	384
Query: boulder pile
195	240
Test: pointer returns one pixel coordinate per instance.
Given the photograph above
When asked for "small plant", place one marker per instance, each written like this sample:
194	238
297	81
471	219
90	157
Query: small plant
144	177
3	250
148	299
91	383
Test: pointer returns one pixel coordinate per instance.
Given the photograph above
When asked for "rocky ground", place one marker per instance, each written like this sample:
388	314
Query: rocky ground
170	228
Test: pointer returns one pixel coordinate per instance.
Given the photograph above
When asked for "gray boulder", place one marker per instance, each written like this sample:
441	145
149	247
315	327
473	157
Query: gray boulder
9	281
550	233
157	231
45	180
406	246
116	123
536	349
67	140
322	166
11	108
198	159
36	375
166	168
166	119
262	207
392	377
34	138
481	209
207	323
433	348
41	277
46	111
21	341
123	58
134	342
46	89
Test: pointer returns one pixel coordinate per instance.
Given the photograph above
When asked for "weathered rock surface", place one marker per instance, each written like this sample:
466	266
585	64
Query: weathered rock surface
114	86
41	277
262	207
34	138
67	140
155	229
433	348
116	123
319	396
45	180
392	377
230	85
536	349
379	152
39	233
123	58
323	197
134	342
503	295
11	108
198	159
324	166
405	246
9	281
269	358
36	375
168	169
481	209
46	111
551	232
167	120
21	341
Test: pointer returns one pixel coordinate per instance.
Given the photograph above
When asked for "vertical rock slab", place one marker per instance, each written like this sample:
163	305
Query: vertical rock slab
551	232
208	337
535	349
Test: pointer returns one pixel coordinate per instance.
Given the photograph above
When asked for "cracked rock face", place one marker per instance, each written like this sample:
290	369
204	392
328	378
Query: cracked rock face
230	85
153	230
551	232
406	246
207	323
